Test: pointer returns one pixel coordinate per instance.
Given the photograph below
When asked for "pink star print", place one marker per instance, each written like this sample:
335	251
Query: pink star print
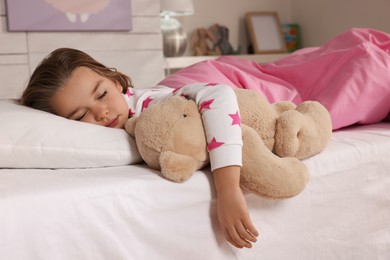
214	144
131	112
184	96
128	92
206	104
236	118
146	102
175	90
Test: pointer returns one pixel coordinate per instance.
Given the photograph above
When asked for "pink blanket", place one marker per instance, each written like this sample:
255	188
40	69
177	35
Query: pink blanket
349	75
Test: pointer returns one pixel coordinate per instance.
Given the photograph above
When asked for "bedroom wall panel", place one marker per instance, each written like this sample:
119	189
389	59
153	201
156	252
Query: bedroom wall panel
137	53
13	79
145	7
42	42
2	7
11	42
142	24
14	68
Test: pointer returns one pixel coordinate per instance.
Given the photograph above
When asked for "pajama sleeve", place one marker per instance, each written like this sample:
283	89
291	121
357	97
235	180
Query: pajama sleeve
221	119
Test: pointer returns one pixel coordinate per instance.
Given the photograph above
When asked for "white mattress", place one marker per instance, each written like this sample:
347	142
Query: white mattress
130	212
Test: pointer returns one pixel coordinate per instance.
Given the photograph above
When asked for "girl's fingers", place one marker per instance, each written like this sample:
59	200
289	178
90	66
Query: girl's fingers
250	227
237	238
230	240
245	234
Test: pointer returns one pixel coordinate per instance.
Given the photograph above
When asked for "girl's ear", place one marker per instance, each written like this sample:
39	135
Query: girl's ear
119	86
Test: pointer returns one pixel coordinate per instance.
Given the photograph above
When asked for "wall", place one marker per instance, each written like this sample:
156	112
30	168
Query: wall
137	53
321	20
231	14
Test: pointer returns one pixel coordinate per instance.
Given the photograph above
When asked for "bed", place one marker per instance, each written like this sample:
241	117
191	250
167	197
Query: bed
131	212
64	194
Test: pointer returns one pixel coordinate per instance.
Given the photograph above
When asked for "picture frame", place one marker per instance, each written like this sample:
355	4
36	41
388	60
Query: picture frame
265	32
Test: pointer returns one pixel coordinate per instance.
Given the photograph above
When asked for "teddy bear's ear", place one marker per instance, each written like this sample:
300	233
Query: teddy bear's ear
130	125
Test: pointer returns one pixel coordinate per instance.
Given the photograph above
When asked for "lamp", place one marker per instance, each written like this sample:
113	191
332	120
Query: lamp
174	37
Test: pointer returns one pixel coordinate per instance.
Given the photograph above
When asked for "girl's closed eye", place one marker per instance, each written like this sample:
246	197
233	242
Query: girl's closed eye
80	117
103	95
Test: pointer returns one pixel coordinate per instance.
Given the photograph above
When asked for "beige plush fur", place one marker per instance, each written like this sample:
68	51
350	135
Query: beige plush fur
170	138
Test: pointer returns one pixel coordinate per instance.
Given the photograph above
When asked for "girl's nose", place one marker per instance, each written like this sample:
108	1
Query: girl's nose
101	112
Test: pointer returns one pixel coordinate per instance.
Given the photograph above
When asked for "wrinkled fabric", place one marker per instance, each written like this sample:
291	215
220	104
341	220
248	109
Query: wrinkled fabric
349	75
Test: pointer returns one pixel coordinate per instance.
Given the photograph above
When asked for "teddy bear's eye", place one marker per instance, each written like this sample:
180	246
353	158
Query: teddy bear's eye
185	115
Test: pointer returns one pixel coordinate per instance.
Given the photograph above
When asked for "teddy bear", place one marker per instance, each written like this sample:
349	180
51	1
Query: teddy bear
276	137
203	43
221	42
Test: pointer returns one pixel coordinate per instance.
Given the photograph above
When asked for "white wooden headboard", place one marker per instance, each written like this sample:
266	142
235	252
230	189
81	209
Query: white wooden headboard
137	53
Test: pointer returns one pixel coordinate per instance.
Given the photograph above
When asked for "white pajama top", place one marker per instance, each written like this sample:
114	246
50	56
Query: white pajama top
218	106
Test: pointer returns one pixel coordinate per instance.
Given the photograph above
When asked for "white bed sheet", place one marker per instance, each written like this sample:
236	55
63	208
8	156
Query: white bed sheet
130	212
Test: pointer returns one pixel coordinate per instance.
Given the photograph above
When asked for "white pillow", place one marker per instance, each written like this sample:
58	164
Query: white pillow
34	139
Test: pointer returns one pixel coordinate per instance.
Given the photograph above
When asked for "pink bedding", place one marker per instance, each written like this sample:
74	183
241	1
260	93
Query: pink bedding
349	75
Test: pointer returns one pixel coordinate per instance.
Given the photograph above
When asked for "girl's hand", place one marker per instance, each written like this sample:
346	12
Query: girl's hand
234	219
233	213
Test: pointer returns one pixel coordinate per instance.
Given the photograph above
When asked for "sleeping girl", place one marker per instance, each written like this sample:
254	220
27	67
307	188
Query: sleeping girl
73	85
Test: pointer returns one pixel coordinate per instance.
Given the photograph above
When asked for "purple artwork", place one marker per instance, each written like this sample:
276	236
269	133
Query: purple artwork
69	15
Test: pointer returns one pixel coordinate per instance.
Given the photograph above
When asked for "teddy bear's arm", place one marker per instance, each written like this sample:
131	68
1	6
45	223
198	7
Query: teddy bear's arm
177	167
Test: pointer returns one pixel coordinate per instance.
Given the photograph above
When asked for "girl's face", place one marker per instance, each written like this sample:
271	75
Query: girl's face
91	98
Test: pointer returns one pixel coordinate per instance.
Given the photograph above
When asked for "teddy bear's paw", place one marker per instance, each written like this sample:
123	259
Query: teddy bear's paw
318	129
284	178
177	167
266	174
288	133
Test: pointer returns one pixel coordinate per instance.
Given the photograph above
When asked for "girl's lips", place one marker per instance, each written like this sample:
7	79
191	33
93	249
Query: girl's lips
113	122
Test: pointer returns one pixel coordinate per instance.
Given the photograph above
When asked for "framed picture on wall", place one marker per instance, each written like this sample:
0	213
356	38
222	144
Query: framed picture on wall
66	15
265	32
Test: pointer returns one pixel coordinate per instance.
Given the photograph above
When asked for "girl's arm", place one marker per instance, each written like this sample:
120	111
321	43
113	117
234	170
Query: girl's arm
220	115
233	213
221	119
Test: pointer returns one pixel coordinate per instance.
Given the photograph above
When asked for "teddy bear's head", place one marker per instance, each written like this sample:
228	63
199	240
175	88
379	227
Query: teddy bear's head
170	138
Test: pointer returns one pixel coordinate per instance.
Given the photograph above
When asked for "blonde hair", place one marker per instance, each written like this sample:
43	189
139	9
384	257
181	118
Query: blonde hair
55	70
